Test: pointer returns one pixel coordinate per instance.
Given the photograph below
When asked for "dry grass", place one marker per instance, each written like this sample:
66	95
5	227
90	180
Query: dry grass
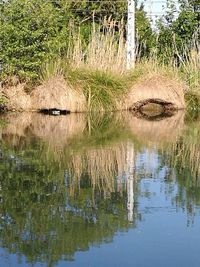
106	50
191	68
189	63
157	81
17	98
56	93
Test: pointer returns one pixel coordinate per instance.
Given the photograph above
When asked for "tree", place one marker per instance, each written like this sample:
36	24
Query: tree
178	35
30	31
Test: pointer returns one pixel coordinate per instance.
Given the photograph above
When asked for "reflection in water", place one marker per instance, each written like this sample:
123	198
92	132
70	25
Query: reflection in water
130	161
70	182
148	131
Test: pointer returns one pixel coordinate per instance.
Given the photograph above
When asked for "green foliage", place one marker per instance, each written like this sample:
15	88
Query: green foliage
3	101
177	36
30	32
89	11
102	90
193	101
3	123
145	34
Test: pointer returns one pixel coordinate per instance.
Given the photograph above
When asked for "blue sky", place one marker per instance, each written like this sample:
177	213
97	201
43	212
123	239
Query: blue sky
154	7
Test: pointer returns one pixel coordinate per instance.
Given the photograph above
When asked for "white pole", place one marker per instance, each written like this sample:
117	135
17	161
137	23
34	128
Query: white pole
131	35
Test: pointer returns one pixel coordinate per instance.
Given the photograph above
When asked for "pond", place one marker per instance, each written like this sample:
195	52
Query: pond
109	190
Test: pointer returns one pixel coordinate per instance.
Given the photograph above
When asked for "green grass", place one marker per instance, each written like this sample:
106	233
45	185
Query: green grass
3	101
102	90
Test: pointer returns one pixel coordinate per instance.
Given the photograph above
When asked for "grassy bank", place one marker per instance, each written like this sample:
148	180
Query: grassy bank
99	69
99	90
93	77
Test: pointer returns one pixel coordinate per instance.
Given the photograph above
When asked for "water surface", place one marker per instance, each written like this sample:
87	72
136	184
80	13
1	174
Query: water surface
112	190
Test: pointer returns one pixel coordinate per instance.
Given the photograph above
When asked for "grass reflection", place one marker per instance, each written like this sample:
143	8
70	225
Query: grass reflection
71	181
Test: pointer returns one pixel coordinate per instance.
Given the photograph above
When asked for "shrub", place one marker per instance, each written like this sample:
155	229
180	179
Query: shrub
30	32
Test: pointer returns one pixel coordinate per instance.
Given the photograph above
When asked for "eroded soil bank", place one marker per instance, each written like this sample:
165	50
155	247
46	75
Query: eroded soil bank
153	92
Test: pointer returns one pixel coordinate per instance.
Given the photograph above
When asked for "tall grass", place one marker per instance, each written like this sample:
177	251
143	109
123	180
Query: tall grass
103	91
95	67
105	51
190	72
189	62
98	67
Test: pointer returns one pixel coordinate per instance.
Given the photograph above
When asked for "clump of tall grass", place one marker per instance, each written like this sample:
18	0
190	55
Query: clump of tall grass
51	68
190	72
189	62
103	90
98	66
105	50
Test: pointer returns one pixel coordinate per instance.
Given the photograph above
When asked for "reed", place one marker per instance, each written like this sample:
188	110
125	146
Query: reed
189	62
105	51
190	73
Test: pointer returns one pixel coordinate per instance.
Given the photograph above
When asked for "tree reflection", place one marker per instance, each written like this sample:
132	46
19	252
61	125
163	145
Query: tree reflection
54	204
70	182
183	156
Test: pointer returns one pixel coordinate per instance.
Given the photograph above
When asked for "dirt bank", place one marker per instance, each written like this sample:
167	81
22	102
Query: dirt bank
56	93
158	90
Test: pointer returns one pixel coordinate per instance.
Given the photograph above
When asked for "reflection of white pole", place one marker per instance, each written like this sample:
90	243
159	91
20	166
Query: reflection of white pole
130	177
130	202
131	35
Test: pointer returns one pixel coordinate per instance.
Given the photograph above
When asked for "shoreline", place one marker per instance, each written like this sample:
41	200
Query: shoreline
97	92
